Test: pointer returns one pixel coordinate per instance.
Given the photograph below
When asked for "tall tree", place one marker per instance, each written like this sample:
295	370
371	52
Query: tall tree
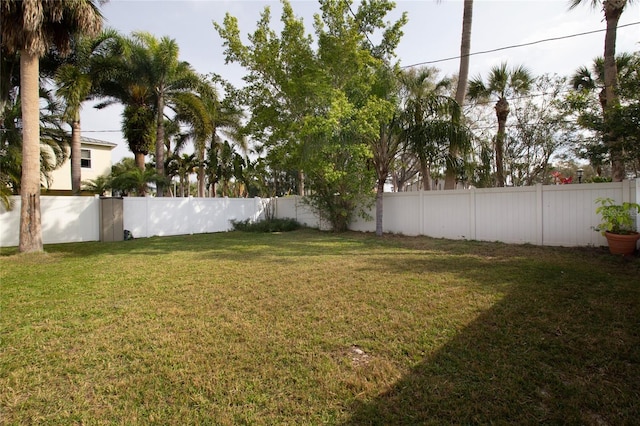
540	130
283	81
138	121
126	87
463	77
168	77
222	118
314	103
53	139
386	145
431	121
30	28
502	83
75	79
588	102
182	166
151	80
613	10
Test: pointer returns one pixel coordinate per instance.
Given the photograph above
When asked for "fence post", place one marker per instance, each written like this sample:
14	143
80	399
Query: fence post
472	213
421	210
539	212
626	191
192	214
637	182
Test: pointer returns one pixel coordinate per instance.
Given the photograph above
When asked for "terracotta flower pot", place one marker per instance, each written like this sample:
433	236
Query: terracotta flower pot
622	244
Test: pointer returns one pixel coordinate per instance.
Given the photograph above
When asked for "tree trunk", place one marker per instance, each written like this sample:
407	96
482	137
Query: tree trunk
379	209
502	112
201	174
160	142
465	50
463	77
201	185
301	183
612	12
426	178
30	221
139	159
76	156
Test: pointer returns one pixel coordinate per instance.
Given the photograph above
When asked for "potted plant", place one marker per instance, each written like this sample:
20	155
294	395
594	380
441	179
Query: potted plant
618	225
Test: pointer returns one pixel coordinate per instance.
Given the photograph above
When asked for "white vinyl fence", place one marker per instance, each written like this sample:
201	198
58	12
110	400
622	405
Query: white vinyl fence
562	215
553	215
147	217
64	219
77	219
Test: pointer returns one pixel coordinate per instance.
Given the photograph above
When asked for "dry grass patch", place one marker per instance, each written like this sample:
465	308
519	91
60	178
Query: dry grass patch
311	328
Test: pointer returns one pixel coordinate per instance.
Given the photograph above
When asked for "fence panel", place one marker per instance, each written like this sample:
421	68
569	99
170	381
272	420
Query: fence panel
76	219
10	224
147	217
507	215
64	219
446	214
557	215
400	214
569	213
293	207
135	214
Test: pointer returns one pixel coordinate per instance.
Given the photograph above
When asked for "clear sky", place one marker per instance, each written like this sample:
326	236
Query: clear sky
433	33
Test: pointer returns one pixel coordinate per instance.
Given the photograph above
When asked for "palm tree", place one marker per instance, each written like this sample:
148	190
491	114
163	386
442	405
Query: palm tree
31	27
431	121
182	166
502	82
53	138
99	185
127	178
229	168
75	80
138	121
591	80
223	117
158	67
124	85
194	112
463	77
613	10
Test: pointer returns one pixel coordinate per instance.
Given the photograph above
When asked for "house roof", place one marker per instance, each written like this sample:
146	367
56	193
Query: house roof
91	141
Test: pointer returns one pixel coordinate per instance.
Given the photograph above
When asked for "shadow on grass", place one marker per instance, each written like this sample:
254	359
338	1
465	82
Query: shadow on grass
561	347
557	342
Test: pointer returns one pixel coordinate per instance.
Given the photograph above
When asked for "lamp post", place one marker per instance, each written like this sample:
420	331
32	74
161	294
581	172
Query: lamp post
579	172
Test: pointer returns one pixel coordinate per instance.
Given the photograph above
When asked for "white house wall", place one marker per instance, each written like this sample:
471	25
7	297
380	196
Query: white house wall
100	165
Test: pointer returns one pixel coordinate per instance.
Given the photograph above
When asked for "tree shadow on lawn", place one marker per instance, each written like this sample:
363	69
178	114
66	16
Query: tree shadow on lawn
561	347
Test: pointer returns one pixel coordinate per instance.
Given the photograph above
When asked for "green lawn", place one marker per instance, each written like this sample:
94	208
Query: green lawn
314	328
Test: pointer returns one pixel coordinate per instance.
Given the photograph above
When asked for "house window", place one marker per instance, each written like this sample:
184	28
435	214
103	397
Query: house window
85	159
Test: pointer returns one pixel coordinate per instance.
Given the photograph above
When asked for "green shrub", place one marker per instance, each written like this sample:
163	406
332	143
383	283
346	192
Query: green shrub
270	225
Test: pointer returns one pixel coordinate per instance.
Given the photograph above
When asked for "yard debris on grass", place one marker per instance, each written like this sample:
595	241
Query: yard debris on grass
358	356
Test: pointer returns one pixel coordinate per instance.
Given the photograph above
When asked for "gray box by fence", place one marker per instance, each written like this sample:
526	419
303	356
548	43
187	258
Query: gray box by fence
111	219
